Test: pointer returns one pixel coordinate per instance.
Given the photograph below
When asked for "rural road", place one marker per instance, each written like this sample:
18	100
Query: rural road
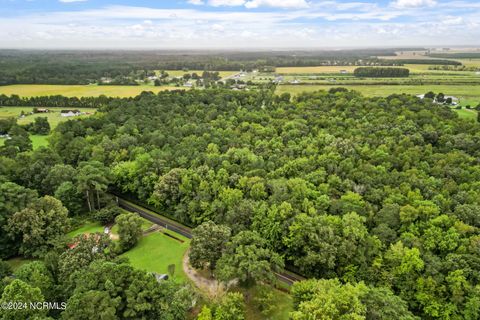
286	277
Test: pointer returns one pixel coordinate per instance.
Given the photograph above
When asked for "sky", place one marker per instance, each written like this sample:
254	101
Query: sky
238	24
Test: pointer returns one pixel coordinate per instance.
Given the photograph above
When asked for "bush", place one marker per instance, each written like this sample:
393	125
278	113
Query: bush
107	215
374	72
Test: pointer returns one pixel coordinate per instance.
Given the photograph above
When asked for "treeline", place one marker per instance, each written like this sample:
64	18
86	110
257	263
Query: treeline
458	55
400	62
128	67
56	101
378	72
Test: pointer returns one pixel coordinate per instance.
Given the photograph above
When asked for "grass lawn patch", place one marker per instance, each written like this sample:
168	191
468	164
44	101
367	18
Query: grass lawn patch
33	90
281	303
467	114
17	262
156	251
39	141
54	117
87	228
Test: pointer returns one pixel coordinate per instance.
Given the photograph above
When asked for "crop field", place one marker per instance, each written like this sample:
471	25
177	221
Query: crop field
156	251
465	93
32	90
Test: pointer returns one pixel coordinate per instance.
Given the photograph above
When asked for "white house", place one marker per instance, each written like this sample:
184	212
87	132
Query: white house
70	113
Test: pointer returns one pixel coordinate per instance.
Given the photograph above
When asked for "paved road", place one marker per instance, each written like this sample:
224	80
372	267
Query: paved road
286	277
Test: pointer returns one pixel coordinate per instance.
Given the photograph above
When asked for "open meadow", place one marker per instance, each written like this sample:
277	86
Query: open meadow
54	118
33	90
468	94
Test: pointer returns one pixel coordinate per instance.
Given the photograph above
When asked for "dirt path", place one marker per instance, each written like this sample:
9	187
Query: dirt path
211	287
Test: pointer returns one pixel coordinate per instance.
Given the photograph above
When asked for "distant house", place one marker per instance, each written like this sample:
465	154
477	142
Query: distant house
295	81
188	84
41	110
70	113
343	71
278	79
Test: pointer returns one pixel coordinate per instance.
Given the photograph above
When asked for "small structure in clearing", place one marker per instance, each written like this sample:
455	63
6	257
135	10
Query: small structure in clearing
70	113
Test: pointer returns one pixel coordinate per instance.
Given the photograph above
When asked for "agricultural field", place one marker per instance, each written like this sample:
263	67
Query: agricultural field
156	251
468	94
414	68
32	90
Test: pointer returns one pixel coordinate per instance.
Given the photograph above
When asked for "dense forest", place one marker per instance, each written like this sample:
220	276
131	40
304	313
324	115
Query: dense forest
378	72
130	67
378	197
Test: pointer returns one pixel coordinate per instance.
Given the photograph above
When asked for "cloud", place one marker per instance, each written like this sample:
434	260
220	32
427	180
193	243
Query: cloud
226	3
196	2
413	3
277	4
252	4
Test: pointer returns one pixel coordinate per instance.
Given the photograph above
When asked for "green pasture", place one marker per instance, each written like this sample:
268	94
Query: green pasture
466	93
34	90
156	251
282	305
54	117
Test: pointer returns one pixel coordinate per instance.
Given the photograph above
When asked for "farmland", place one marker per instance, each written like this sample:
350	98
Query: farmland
32	90
467	94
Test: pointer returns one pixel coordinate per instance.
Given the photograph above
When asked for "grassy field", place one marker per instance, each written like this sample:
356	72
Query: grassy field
88	227
414	68
466	93
156	251
281	302
30	90
467	114
17	262
54	117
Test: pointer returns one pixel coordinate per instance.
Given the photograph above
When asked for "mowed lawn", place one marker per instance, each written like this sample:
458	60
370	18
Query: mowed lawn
33	90
54	117
87	228
156	251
